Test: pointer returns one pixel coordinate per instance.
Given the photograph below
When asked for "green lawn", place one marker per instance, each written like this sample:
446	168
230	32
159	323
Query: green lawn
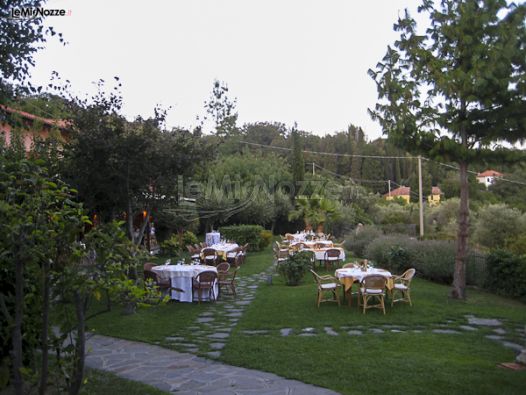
414	361
98	382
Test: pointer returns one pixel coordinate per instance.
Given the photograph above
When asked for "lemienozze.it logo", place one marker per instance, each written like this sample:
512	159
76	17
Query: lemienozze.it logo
29	13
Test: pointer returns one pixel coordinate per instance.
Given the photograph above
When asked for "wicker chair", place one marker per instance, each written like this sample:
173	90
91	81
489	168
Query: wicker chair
332	258
209	256
326	284
402	284
373	287
227	280
164	285
205	281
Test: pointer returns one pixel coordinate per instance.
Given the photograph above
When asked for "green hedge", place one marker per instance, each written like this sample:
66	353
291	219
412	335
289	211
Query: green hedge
432	259
243	234
507	274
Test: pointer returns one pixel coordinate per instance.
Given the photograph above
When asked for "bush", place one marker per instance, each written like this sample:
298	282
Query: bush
360	238
189	238
175	244
495	224
266	239
294	268
171	246
432	259
507	274
243	234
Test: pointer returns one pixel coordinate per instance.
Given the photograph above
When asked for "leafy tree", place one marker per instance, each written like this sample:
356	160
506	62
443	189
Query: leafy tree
126	167
496	224
455	90
20	39
314	210
222	110
297	162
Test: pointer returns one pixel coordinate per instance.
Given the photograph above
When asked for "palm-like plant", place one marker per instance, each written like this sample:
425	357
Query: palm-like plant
315	210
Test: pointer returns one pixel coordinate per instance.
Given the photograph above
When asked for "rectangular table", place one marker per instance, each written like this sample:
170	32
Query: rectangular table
181	276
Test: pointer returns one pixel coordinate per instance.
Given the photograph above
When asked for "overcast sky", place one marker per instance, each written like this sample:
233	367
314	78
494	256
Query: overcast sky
284	60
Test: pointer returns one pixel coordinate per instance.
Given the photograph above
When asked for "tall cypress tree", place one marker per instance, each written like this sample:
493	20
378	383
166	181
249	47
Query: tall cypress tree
456	91
298	163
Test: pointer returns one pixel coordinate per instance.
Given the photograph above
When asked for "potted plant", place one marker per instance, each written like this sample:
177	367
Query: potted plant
294	268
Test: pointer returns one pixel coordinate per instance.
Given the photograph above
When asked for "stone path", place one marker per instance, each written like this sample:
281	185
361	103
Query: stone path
184	373
213	326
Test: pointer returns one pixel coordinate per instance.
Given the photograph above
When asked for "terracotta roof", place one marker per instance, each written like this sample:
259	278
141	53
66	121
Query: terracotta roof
401	191
435	191
490	173
59	123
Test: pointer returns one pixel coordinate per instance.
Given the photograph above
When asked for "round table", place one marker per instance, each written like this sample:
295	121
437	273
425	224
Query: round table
181	276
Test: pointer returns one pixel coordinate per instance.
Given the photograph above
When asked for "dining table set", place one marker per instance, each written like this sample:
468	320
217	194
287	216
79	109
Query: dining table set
181	276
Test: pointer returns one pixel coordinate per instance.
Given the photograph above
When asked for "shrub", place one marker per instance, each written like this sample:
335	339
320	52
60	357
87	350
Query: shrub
189	238
294	268
171	246
495	224
265	239
432	259
360	238
507	274
243	234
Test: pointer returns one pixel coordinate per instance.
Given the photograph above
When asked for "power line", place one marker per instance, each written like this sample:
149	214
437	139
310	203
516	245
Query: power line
330	153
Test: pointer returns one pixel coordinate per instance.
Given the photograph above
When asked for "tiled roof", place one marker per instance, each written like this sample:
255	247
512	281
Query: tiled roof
490	173
59	123
401	191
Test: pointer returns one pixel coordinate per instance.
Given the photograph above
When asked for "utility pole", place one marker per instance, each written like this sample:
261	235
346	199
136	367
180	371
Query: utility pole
420	197
313	168
389	187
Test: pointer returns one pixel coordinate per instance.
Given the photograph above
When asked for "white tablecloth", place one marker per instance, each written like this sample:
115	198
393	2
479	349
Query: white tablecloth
212	238
358	274
181	277
320	254
224	247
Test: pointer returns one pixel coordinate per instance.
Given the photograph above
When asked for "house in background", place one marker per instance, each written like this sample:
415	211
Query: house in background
401	192
30	126
488	177
434	198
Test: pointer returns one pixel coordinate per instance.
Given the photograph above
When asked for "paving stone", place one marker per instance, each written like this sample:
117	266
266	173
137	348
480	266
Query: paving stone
417	331
218	335
513	346
329	331
396	331
234	315
483	321
174	338
285	331
205	320
493	337
355	332
468	328
256	332
377	330
206	314
307	334
445	331
217	346
499	331
308	330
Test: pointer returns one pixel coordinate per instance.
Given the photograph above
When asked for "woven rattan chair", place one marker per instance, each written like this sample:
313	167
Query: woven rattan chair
205	281
326	285
332	258
164	285
373	287
227	281
402	285
209	256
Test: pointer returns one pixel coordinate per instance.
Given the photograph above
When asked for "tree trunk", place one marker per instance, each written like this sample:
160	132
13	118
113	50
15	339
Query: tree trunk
44	335
459	277
80	346
17	328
